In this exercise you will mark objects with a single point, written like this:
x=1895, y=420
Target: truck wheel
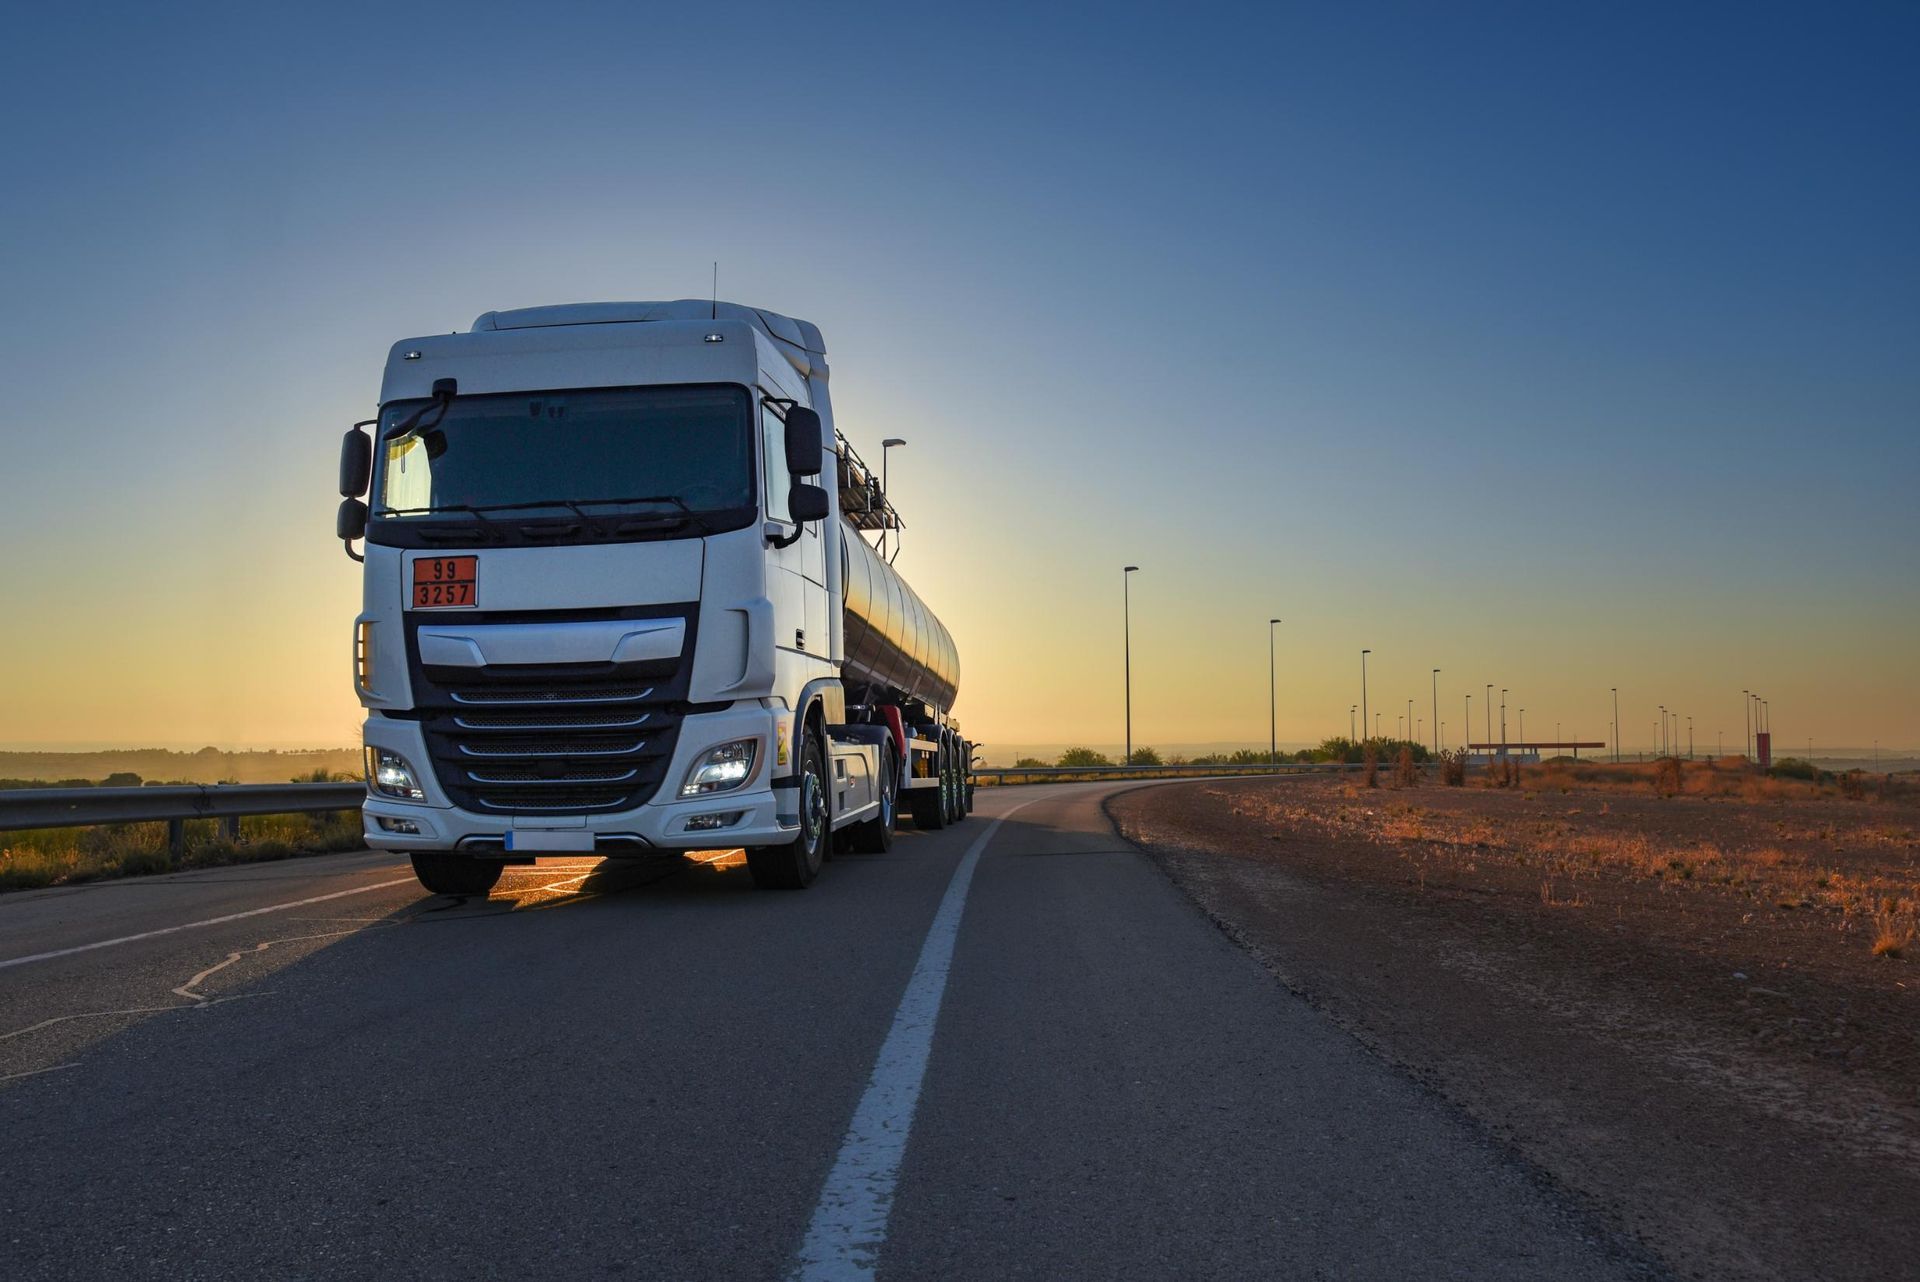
x=448, y=874
x=875, y=836
x=956, y=801
x=795, y=864
x=930, y=804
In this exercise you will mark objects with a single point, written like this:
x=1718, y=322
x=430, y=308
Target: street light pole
x=1352, y=708
x=886, y=448
x=1489, y=718
x=1689, y=737
x=1126, y=629
x=1467, y=733
x=1273, y=696
x=1616, y=725
x=1660, y=739
x=1503, y=721
x=1363, y=686
x=1436, y=710
x=1747, y=702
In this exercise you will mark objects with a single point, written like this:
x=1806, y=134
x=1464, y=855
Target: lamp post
x=1466, y=745
x=1126, y=632
x=1436, y=710
x=1352, y=708
x=1689, y=737
x=1503, y=721
x=1363, y=687
x=886, y=448
x=1489, y=717
x=1747, y=702
x=1660, y=740
x=1616, y=725
x=1523, y=728
x=1410, y=716
x=1273, y=696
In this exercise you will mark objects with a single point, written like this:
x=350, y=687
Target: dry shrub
x=1502, y=772
x=1453, y=769
x=1405, y=774
x=1853, y=785
x=1893, y=931
x=1667, y=777
x=1370, y=767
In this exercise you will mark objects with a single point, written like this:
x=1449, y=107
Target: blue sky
x=1556, y=347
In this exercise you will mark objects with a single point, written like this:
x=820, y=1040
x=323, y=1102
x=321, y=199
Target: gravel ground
x=1670, y=1006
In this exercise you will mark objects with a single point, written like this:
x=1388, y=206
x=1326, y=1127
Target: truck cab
x=604, y=601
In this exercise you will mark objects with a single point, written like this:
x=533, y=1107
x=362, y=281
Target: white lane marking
x=201, y=925
x=849, y=1223
x=35, y=1072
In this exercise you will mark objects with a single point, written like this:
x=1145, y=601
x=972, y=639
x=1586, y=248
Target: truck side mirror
x=804, y=443
x=356, y=463
x=808, y=503
x=350, y=522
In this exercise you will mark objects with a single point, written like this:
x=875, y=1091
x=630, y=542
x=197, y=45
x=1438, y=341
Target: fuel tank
x=896, y=648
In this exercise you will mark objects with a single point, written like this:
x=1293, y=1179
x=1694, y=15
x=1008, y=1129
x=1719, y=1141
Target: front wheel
x=449, y=874
x=795, y=864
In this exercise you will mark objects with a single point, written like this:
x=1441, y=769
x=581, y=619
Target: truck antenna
x=715, y=313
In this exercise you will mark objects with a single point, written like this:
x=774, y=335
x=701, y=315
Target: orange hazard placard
x=445, y=582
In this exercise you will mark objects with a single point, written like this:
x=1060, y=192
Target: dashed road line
x=30, y=958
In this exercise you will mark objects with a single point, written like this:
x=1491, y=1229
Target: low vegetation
x=61, y=856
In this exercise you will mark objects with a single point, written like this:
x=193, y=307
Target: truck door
x=797, y=582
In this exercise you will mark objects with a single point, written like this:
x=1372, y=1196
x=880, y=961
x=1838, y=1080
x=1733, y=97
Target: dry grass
x=59, y=856
x=1861, y=876
x=1453, y=769
x=1370, y=767
x=1893, y=929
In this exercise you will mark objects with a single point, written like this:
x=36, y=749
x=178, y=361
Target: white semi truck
x=619, y=599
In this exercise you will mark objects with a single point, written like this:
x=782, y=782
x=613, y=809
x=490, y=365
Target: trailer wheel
x=795, y=864
x=956, y=805
x=875, y=836
x=441, y=873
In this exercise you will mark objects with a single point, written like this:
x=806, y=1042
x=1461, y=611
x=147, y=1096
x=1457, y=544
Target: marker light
x=363, y=654
x=721, y=769
x=389, y=775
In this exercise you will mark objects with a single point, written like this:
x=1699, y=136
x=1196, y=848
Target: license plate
x=550, y=840
x=445, y=582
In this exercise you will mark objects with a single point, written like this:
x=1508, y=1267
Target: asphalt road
x=993, y=1052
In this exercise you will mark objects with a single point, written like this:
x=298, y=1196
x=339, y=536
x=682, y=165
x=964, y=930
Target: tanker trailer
x=609, y=607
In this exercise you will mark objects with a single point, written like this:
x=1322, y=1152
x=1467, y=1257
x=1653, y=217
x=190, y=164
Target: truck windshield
x=604, y=453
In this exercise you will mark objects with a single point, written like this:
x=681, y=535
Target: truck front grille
x=555, y=739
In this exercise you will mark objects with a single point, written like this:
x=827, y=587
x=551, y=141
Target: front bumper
x=751, y=813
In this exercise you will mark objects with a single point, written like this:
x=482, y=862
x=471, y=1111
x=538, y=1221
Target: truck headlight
x=721, y=769
x=389, y=775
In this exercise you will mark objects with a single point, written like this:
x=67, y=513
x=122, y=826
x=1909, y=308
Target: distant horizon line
x=1782, y=748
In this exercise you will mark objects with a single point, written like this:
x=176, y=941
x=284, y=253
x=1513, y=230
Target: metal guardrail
x=86, y=807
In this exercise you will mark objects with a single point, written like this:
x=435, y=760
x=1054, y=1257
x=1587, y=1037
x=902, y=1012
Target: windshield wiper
x=660, y=520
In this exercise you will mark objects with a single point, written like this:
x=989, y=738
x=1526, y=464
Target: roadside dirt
x=1672, y=1006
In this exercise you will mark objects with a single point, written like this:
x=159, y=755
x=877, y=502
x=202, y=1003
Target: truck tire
x=957, y=785
x=930, y=804
x=442, y=873
x=794, y=865
x=875, y=836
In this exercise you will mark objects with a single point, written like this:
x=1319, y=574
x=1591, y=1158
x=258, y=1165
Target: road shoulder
x=1712, y=1155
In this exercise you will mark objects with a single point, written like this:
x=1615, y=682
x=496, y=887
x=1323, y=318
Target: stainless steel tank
x=894, y=642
